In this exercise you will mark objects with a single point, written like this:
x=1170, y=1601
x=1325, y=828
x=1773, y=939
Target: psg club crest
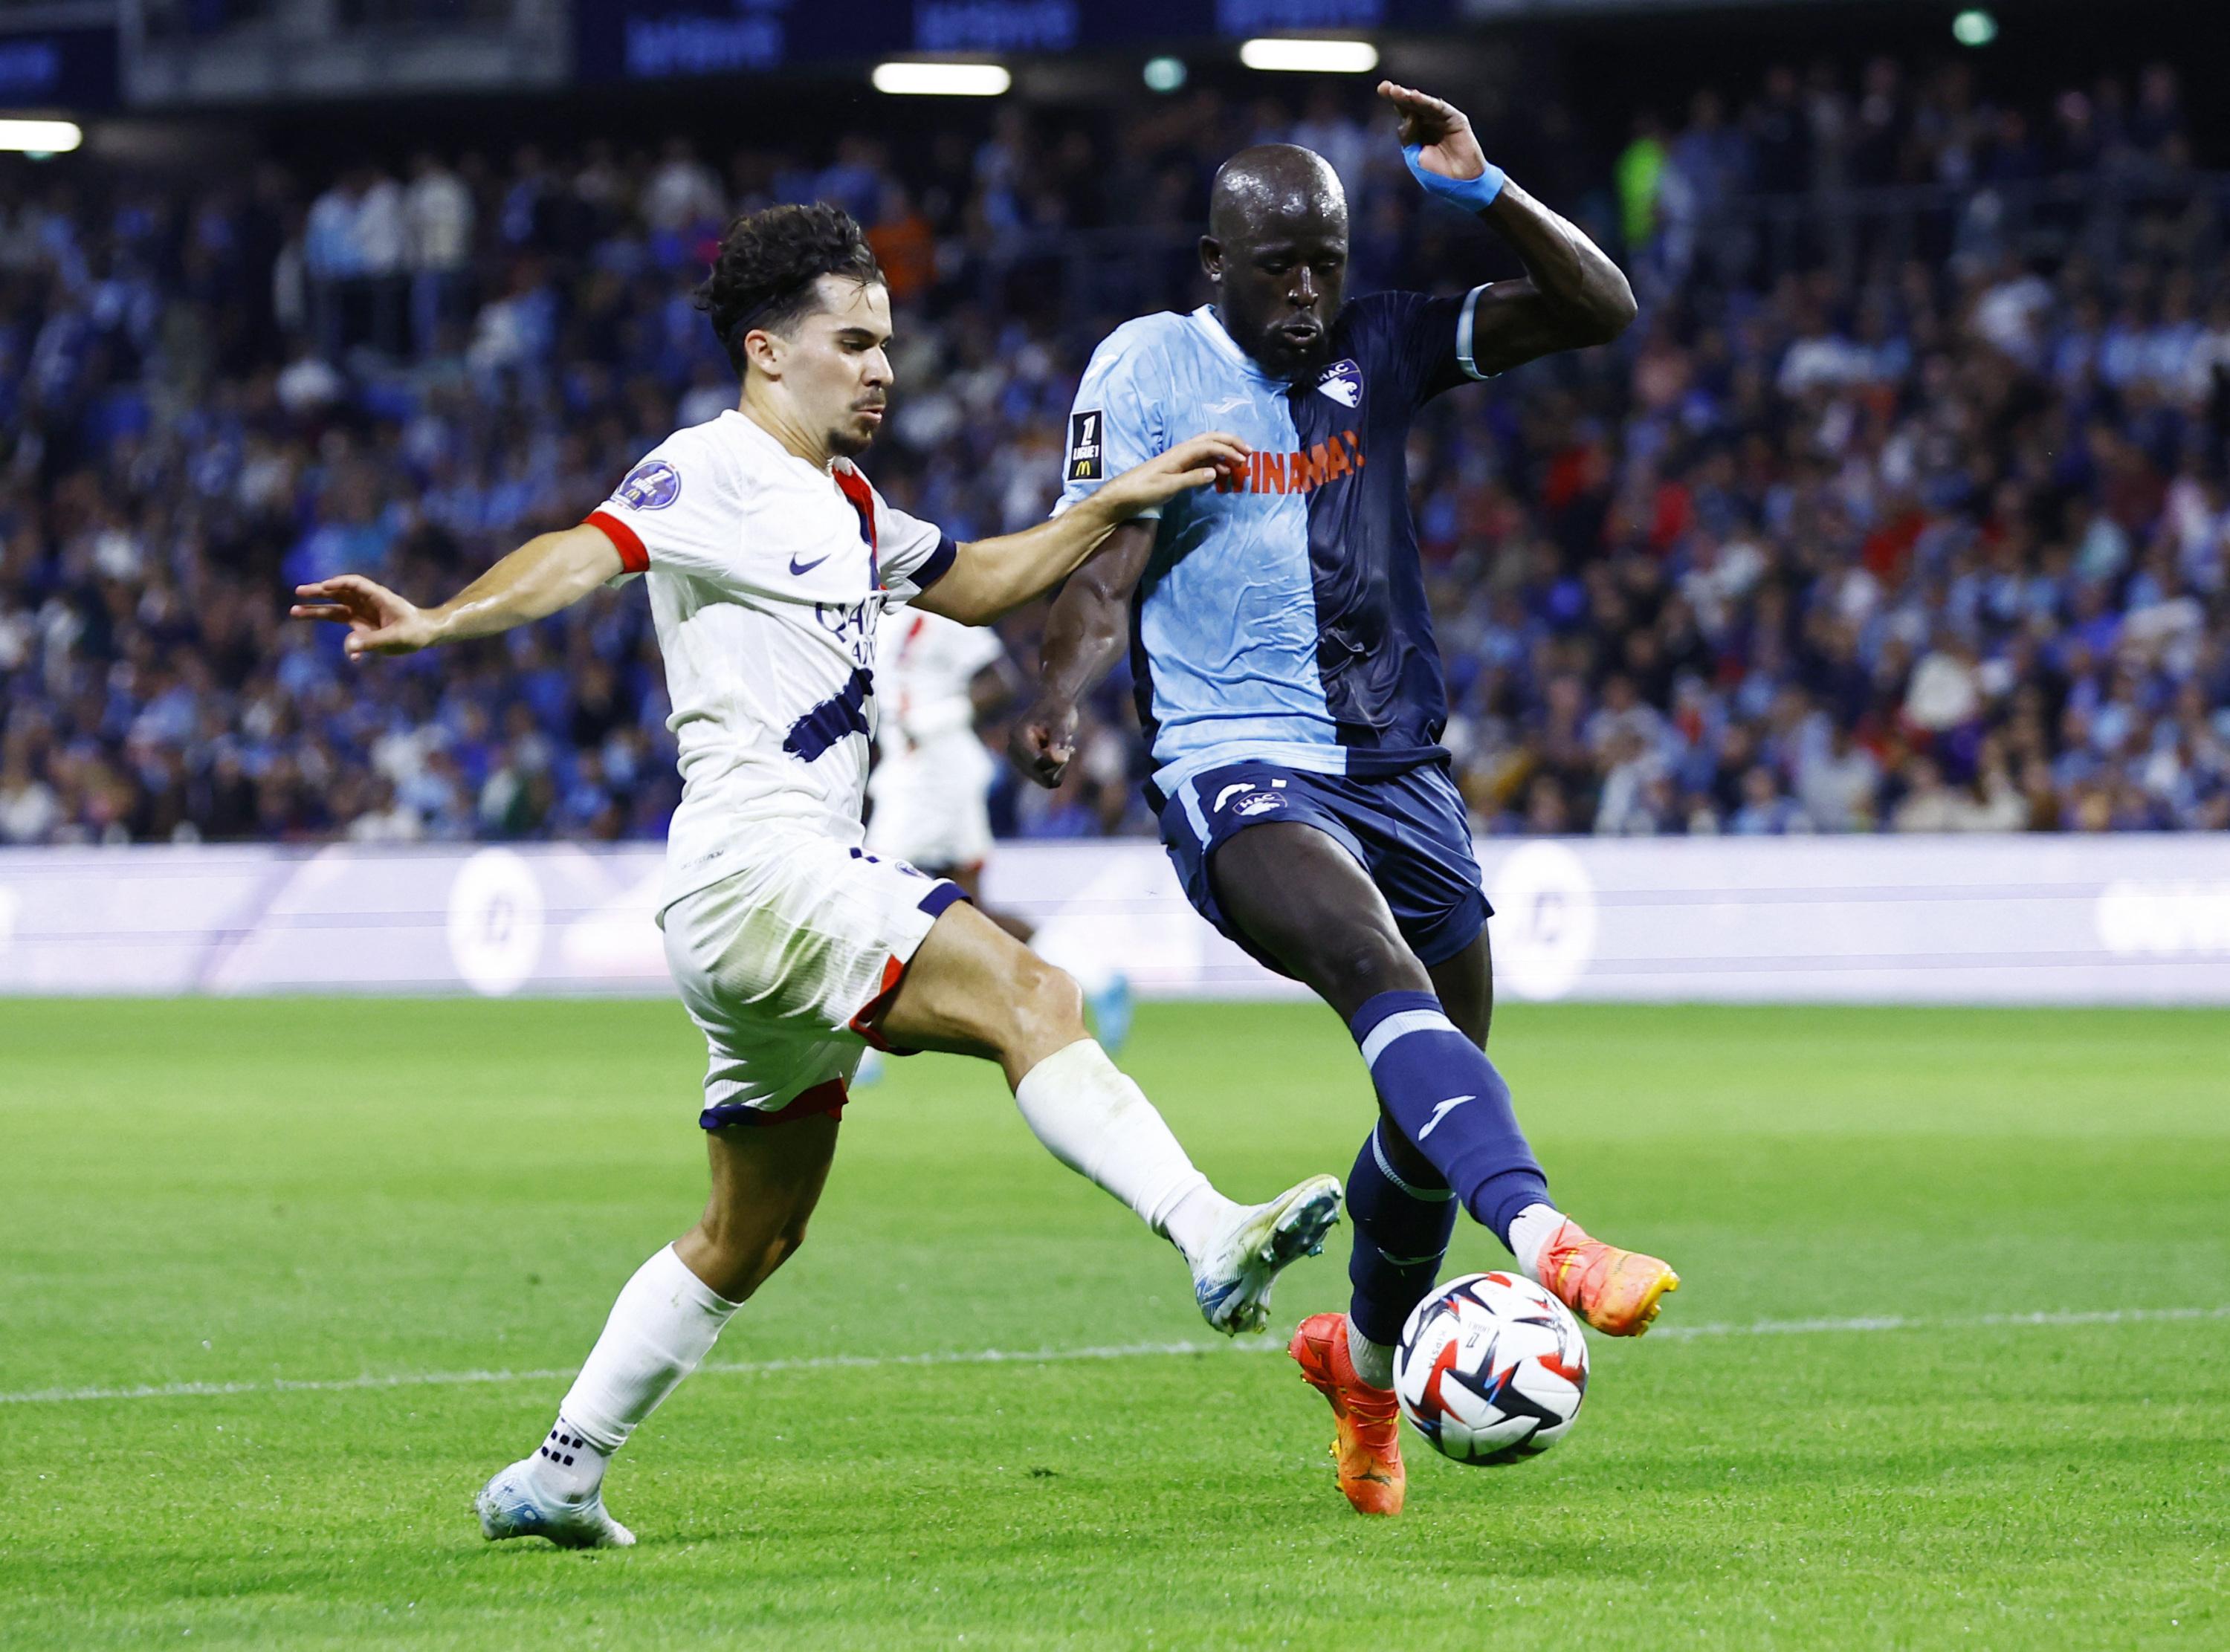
x=651, y=485
x=1343, y=382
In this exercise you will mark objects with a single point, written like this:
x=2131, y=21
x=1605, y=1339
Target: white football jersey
x=767, y=578
x=925, y=665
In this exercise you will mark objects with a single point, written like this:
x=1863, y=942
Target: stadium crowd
x=1897, y=511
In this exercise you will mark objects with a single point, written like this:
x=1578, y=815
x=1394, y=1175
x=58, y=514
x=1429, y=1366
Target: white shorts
x=929, y=803
x=785, y=964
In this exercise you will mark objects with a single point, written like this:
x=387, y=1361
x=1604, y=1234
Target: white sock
x=663, y=1325
x=1373, y=1361
x=566, y=1466
x=1100, y=1125
x=1533, y=1228
x=1197, y=1217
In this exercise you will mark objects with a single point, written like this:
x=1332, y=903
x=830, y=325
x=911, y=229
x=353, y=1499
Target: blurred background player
x=1294, y=695
x=769, y=560
x=934, y=679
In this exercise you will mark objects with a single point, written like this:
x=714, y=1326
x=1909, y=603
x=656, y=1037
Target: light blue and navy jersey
x=1283, y=617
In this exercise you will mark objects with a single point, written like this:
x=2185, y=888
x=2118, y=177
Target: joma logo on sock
x=1442, y=1111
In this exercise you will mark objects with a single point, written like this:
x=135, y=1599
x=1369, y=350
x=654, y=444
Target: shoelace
x=1375, y=1421
x=1563, y=1259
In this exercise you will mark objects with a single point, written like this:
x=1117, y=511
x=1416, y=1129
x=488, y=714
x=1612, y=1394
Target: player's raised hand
x=1442, y=132
x=1185, y=466
x=1043, y=740
x=379, y=622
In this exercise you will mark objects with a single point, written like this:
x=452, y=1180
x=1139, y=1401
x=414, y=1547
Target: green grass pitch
x=236, y=1196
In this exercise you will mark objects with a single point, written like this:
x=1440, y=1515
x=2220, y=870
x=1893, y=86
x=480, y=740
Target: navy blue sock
x=1401, y=1231
x=1449, y=1101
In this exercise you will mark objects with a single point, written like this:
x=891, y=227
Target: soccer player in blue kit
x=1289, y=684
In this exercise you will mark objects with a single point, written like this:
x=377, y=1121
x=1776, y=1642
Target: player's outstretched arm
x=990, y=577
x=1571, y=295
x=550, y=572
x=1085, y=634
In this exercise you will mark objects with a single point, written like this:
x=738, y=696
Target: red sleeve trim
x=633, y=556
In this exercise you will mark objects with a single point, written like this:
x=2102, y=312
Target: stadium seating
x=1903, y=507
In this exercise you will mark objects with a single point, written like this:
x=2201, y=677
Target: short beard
x=1291, y=364
x=845, y=445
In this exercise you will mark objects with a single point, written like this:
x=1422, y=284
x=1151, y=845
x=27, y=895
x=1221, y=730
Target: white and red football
x=1492, y=1368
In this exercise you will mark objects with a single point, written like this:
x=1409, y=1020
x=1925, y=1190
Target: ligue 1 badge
x=1343, y=382
x=651, y=485
x=1086, y=443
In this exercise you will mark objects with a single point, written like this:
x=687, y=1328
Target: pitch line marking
x=1060, y=1356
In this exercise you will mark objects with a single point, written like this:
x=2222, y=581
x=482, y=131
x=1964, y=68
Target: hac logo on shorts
x=651, y=485
x=1253, y=798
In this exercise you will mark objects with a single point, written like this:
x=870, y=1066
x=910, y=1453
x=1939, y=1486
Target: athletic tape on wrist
x=1473, y=194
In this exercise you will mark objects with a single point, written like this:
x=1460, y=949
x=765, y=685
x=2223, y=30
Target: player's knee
x=1357, y=968
x=786, y=1244
x=1048, y=1006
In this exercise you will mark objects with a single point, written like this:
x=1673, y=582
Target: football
x=1490, y=1368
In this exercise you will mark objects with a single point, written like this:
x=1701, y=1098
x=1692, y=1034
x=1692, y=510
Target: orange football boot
x=1367, y=1446
x=1616, y=1291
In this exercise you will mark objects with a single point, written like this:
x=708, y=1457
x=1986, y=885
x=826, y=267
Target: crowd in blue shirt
x=1914, y=522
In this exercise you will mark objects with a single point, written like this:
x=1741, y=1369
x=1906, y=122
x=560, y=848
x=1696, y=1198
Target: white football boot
x=1231, y=1282
x=509, y=1506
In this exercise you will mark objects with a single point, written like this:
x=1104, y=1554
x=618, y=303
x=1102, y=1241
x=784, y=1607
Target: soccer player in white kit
x=769, y=560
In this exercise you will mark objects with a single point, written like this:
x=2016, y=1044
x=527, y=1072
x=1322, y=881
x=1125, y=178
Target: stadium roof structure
x=89, y=56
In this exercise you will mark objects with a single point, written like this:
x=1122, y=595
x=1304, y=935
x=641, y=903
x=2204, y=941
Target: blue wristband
x=1471, y=194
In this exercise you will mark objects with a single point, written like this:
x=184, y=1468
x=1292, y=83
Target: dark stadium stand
x=1903, y=507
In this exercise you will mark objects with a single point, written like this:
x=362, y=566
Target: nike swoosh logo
x=796, y=567
x=1228, y=404
x=1442, y=1111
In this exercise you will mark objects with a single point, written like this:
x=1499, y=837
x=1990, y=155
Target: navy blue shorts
x=1409, y=831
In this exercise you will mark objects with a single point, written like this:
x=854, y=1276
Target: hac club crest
x=1343, y=382
x=651, y=485
x=1252, y=797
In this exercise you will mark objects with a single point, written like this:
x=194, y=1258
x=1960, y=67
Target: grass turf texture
x=220, y=1192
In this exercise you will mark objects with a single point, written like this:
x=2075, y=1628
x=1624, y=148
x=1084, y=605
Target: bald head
x=1274, y=186
x=1276, y=249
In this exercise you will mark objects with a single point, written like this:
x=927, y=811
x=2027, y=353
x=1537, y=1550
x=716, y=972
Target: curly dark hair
x=762, y=275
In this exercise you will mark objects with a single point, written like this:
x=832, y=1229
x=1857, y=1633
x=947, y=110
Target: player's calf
x=736, y=1249
x=974, y=989
x=1327, y=923
x=1402, y=1225
x=1314, y=909
x=766, y=1180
